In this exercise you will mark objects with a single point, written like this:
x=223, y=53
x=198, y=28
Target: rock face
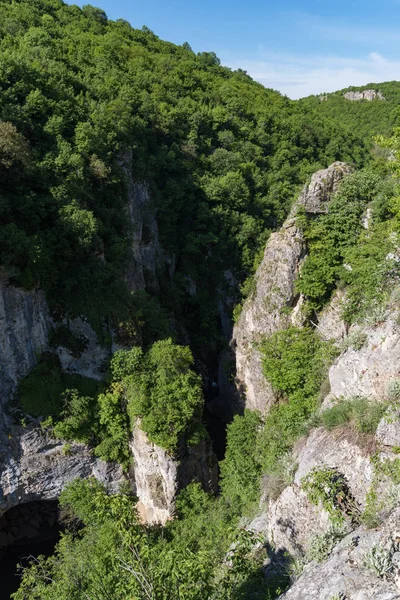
x=38, y=467
x=159, y=476
x=32, y=465
x=292, y=519
x=266, y=310
x=324, y=448
x=147, y=259
x=364, y=95
x=92, y=361
x=24, y=328
x=344, y=574
x=369, y=370
x=388, y=431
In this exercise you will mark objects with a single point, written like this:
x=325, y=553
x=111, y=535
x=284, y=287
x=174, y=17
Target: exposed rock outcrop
x=92, y=361
x=159, y=475
x=24, y=328
x=364, y=95
x=266, y=310
x=148, y=262
x=292, y=519
x=38, y=467
x=32, y=465
x=369, y=370
x=344, y=575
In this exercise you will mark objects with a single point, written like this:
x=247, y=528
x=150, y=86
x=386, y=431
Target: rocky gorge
x=35, y=467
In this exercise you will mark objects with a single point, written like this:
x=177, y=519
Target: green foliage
x=363, y=414
x=327, y=487
x=388, y=467
x=295, y=361
x=111, y=555
x=78, y=418
x=355, y=340
x=367, y=117
x=241, y=468
x=87, y=102
x=331, y=235
x=162, y=390
x=374, y=503
x=114, y=425
x=371, y=274
x=322, y=545
x=379, y=560
x=393, y=390
x=40, y=393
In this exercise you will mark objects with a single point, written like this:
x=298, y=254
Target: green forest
x=223, y=158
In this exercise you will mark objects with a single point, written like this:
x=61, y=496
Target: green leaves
x=161, y=389
x=241, y=468
x=330, y=236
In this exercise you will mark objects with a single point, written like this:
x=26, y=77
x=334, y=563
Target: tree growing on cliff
x=162, y=390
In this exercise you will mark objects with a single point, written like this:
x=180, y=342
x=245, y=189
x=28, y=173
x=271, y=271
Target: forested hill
x=367, y=118
x=223, y=157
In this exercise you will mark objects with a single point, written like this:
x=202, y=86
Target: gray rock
x=36, y=468
x=93, y=360
x=266, y=310
x=324, y=448
x=24, y=327
x=330, y=323
x=293, y=521
x=147, y=259
x=388, y=431
x=344, y=572
x=364, y=95
x=367, y=371
x=159, y=475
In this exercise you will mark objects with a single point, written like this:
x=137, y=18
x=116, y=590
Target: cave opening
x=27, y=530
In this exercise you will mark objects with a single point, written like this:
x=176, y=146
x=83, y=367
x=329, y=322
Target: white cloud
x=298, y=76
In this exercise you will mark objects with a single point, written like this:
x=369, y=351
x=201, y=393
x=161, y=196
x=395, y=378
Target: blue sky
x=299, y=48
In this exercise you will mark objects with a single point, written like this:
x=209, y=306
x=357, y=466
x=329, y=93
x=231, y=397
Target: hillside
x=367, y=118
x=81, y=97
x=199, y=283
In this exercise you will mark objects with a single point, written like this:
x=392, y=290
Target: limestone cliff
x=291, y=522
x=266, y=310
x=32, y=465
x=159, y=476
x=364, y=95
x=35, y=467
x=147, y=260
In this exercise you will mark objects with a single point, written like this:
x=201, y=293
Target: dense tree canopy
x=223, y=157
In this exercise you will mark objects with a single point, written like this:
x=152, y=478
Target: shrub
x=330, y=235
x=163, y=390
x=295, y=361
x=355, y=340
x=379, y=560
x=361, y=413
x=241, y=468
x=326, y=486
x=393, y=389
x=322, y=545
x=78, y=418
x=40, y=393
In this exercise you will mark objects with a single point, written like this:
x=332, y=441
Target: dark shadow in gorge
x=26, y=530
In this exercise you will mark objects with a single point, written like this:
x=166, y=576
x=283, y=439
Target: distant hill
x=366, y=117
